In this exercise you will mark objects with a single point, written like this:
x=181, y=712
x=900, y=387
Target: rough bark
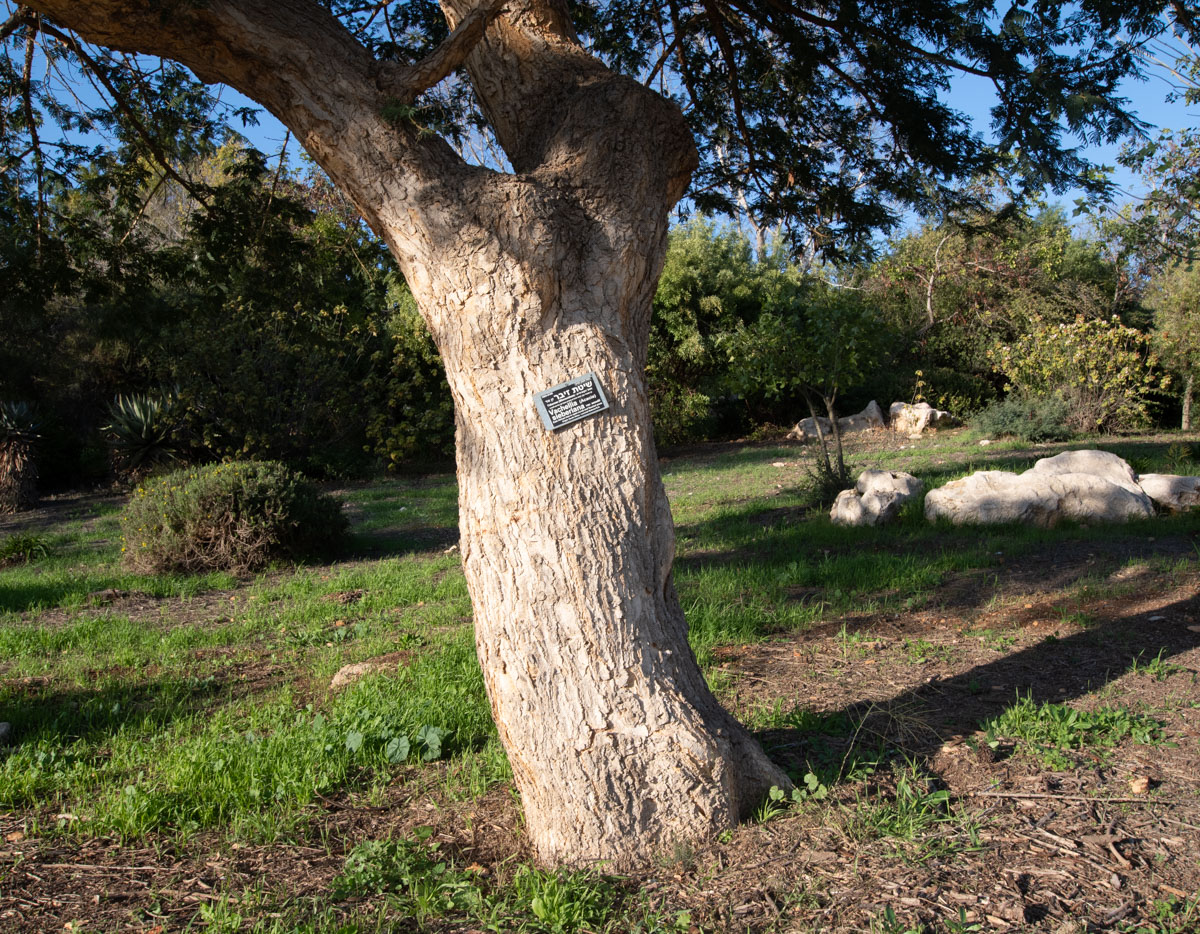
x=617, y=745
x=1188, y=392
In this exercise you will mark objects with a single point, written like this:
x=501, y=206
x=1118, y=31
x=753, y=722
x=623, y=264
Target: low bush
x=237, y=516
x=1027, y=418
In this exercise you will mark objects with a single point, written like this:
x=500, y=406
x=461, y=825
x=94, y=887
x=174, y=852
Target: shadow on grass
x=62, y=716
x=914, y=723
x=400, y=543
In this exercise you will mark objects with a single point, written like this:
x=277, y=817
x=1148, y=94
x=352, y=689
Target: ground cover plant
x=990, y=730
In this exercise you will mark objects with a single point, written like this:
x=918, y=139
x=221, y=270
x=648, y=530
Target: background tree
x=712, y=285
x=530, y=277
x=1174, y=297
x=955, y=290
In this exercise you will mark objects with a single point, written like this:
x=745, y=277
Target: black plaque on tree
x=571, y=401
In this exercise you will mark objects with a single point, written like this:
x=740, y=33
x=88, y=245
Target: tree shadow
x=915, y=722
x=58, y=717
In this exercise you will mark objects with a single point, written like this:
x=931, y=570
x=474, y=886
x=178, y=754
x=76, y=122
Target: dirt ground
x=1110, y=844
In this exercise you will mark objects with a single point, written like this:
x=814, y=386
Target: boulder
x=5, y=733
x=1094, y=463
x=1170, y=491
x=875, y=499
x=806, y=429
x=1035, y=498
x=914, y=420
x=869, y=419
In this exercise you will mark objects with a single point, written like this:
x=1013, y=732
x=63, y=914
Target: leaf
x=354, y=741
x=397, y=749
x=431, y=737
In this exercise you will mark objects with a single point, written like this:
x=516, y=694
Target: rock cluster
x=876, y=498
x=902, y=418
x=1083, y=486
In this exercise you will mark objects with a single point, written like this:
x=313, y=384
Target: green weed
x=1052, y=731
x=425, y=884
x=1157, y=668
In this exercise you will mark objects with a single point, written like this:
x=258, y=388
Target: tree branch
x=14, y=22
x=30, y=118
x=95, y=69
x=410, y=81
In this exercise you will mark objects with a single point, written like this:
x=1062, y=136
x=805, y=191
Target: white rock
x=806, y=429
x=869, y=419
x=348, y=674
x=1095, y=463
x=902, y=484
x=1034, y=498
x=875, y=499
x=1171, y=491
x=914, y=420
x=985, y=442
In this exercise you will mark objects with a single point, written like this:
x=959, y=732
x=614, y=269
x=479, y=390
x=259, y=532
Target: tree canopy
x=828, y=119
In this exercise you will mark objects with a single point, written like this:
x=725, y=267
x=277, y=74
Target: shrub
x=235, y=516
x=1102, y=370
x=1026, y=418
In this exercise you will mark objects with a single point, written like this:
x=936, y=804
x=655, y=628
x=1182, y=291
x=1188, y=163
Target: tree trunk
x=1188, y=389
x=618, y=747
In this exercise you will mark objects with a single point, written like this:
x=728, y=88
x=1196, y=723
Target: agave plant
x=142, y=430
x=18, y=448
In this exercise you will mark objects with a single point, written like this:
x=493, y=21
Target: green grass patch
x=1052, y=732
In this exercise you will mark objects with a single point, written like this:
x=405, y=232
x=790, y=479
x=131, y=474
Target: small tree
x=1175, y=299
x=825, y=342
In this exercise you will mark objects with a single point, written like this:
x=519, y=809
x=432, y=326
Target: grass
x=193, y=705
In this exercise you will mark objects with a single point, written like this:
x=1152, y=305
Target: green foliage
x=711, y=285
x=1103, y=370
x=237, y=516
x=411, y=411
x=141, y=431
x=1174, y=298
x=738, y=339
x=1052, y=731
x=23, y=547
x=1026, y=418
x=953, y=290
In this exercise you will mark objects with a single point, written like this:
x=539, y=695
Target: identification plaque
x=571, y=401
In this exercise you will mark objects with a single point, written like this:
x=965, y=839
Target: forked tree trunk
x=618, y=747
